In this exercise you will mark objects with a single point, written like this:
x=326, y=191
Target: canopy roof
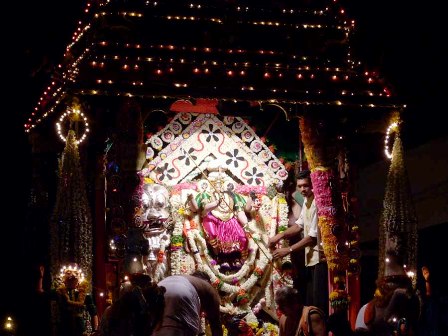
x=292, y=53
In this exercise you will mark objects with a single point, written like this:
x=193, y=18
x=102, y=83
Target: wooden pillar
x=100, y=241
x=353, y=274
x=354, y=291
x=131, y=157
x=334, y=234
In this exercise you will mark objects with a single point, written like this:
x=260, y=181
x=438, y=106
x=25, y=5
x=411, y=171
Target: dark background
x=404, y=41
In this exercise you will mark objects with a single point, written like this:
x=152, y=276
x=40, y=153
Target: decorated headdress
x=217, y=178
x=71, y=270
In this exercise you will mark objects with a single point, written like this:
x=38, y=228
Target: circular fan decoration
x=73, y=118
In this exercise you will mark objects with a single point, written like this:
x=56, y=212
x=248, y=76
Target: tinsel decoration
x=398, y=223
x=71, y=222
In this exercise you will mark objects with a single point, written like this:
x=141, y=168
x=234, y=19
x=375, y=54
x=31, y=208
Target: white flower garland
x=176, y=253
x=273, y=213
x=160, y=271
x=194, y=237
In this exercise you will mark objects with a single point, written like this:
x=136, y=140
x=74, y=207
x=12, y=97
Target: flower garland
x=268, y=293
x=161, y=267
x=230, y=284
x=334, y=246
x=240, y=286
x=247, y=285
x=339, y=298
x=323, y=179
x=194, y=236
x=176, y=238
x=334, y=233
x=265, y=329
x=279, y=216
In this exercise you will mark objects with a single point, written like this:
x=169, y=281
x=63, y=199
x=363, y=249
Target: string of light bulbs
x=393, y=127
x=76, y=115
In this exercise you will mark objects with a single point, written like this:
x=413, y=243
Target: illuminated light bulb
x=66, y=114
x=392, y=127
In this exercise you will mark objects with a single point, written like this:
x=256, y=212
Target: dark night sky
x=400, y=39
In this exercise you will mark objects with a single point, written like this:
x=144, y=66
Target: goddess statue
x=223, y=214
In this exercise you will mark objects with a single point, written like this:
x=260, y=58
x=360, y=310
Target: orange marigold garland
x=330, y=219
x=339, y=298
x=242, y=297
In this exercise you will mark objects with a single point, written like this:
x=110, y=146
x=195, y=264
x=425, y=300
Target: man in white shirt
x=186, y=297
x=316, y=265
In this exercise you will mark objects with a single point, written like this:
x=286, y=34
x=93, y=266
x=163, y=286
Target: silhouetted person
x=35, y=308
x=137, y=311
x=434, y=316
x=296, y=318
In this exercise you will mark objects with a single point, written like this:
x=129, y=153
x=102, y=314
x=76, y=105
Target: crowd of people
x=176, y=305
